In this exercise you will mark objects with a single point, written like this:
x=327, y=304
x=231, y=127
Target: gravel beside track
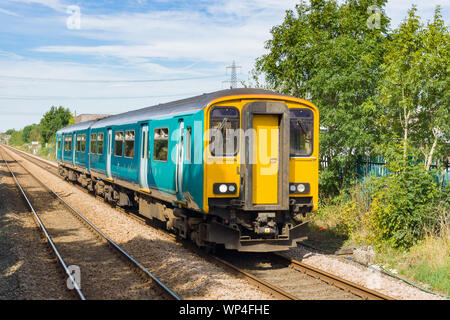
x=103, y=274
x=277, y=271
x=28, y=269
x=186, y=273
x=361, y=275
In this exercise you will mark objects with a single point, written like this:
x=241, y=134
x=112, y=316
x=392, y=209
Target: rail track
x=299, y=280
x=277, y=274
x=107, y=271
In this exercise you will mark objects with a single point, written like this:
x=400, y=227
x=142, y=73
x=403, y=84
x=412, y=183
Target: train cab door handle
x=273, y=160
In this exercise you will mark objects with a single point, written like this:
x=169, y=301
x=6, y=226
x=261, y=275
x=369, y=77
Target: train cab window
x=118, y=144
x=301, y=136
x=161, y=144
x=68, y=143
x=129, y=144
x=224, y=134
x=93, y=143
x=100, y=143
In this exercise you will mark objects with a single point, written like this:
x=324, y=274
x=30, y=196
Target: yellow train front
x=260, y=171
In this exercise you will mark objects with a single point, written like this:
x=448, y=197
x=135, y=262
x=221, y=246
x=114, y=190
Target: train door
x=143, y=170
x=59, y=148
x=266, y=153
x=63, y=146
x=108, y=154
x=74, y=147
x=179, y=161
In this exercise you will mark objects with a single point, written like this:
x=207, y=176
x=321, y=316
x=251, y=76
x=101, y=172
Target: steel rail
x=115, y=246
x=339, y=282
x=44, y=231
x=260, y=283
x=47, y=162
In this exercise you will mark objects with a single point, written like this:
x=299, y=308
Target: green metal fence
x=376, y=166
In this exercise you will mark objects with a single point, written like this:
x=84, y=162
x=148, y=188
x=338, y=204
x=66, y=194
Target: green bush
x=16, y=138
x=403, y=207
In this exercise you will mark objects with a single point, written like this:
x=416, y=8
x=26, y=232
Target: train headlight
x=224, y=188
x=299, y=188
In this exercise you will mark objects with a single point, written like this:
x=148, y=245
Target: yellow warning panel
x=266, y=153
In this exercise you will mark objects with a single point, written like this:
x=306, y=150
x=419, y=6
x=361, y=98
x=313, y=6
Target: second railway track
x=106, y=270
x=282, y=277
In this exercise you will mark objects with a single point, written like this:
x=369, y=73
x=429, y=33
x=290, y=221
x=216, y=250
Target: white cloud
x=9, y=12
x=23, y=100
x=398, y=10
x=216, y=37
x=53, y=4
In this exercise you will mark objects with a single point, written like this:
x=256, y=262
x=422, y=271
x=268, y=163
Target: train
x=236, y=168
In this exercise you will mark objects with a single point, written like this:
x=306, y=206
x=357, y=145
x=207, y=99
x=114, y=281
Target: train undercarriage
x=227, y=224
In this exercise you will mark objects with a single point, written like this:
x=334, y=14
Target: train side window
x=68, y=143
x=59, y=143
x=161, y=144
x=118, y=144
x=100, y=143
x=93, y=143
x=301, y=132
x=78, y=146
x=224, y=133
x=144, y=144
x=83, y=143
x=129, y=144
x=188, y=144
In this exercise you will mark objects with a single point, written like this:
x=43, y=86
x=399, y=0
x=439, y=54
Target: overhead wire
x=107, y=80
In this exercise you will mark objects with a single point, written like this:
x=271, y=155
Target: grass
x=340, y=223
x=46, y=153
x=427, y=263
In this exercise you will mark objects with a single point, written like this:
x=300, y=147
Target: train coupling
x=265, y=224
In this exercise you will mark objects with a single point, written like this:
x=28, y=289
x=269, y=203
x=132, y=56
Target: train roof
x=76, y=127
x=188, y=105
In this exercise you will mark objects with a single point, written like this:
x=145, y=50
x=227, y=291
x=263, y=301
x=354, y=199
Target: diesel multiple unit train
x=237, y=167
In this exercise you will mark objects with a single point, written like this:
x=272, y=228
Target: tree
x=400, y=88
x=413, y=95
x=326, y=53
x=16, y=138
x=31, y=133
x=55, y=119
x=434, y=120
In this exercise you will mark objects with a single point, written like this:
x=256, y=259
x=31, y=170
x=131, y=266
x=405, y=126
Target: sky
x=112, y=56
